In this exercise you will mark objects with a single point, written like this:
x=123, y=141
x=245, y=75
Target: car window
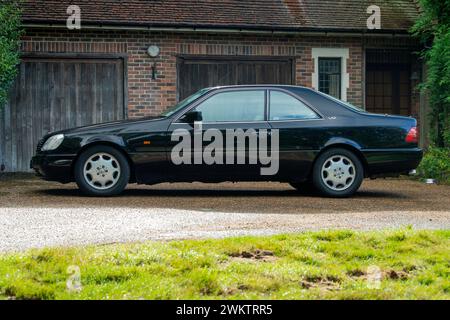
x=344, y=103
x=246, y=105
x=285, y=107
x=184, y=103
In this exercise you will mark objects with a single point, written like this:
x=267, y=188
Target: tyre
x=102, y=171
x=337, y=173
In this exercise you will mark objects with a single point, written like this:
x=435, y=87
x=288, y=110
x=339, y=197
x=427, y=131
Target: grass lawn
x=398, y=264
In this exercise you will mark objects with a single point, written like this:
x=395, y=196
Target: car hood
x=108, y=126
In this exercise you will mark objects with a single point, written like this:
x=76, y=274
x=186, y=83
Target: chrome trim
x=296, y=120
x=224, y=122
x=418, y=150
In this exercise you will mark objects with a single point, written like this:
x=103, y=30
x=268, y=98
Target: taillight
x=412, y=136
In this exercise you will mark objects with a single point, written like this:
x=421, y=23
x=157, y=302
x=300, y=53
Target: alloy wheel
x=338, y=173
x=101, y=171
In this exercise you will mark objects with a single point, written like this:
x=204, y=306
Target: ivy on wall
x=10, y=33
x=433, y=27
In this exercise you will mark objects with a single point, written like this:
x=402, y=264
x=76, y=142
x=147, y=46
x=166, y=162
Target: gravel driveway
x=34, y=213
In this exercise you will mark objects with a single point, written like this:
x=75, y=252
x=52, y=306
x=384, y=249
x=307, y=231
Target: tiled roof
x=252, y=14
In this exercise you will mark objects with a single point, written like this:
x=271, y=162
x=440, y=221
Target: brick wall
x=148, y=97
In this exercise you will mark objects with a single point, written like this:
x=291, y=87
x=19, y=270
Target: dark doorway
x=195, y=73
x=388, y=82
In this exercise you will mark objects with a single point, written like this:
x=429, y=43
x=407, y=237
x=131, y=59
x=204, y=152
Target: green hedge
x=436, y=165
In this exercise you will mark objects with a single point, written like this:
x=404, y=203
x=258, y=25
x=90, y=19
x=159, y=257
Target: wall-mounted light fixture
x=153, y=51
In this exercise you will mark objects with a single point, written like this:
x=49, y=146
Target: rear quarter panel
x=380, y=138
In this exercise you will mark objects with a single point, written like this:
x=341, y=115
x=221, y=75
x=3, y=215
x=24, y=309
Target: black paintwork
x=379, y=141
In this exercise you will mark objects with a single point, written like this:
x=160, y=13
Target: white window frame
x=344, y=54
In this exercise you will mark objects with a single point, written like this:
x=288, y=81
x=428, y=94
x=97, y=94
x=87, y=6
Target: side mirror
x=192, y=116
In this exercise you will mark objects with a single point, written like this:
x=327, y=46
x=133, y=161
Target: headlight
x=53, y=142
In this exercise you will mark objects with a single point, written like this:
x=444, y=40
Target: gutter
x=326, y=32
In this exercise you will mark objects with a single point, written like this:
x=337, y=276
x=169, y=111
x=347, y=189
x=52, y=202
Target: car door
x=217, y=154
x=297, y=126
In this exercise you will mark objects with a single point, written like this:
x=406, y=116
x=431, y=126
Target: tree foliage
x=10, y=33
x=433, y=27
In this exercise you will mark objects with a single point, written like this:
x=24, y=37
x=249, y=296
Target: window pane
x=183, y=103
x=285, y=107
x=330, y=76
x=245, y=105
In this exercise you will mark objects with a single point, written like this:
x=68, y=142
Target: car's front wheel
x=102, y=171
x=338, y=173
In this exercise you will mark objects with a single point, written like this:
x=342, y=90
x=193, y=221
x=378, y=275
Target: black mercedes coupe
x=236, y=133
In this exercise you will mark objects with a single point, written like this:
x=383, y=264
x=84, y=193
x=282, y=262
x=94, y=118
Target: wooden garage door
x=197, y=73
x=54, y=94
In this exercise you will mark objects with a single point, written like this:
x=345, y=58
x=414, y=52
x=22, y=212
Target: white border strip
x=344, y=54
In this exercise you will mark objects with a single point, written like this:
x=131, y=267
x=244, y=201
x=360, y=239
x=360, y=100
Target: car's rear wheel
x=338, y=173
x=102, y=171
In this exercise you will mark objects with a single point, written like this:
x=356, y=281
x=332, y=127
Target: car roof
x=322, y=103
x=259, y=86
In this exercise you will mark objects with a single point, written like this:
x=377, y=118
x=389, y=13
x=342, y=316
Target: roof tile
x=260, y=14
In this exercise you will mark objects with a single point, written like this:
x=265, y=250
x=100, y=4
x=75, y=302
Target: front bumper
x=53, y=167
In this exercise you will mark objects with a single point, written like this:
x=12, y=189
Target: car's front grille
x=40, y=144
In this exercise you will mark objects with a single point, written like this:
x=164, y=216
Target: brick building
x=104, y=71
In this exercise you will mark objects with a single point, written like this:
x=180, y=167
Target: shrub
x=436, y=165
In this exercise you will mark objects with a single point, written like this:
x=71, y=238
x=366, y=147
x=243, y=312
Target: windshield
x=344, y=103
x=183, y=103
